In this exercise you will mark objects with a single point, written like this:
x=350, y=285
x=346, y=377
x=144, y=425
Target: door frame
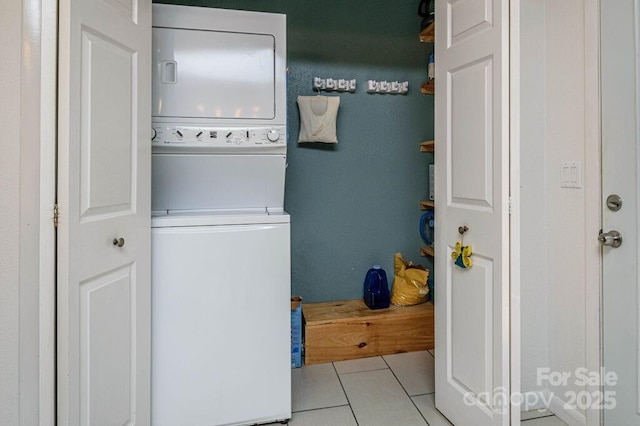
x=593, y=199
x=592, y=208
x=38, y=140
x=514, y=207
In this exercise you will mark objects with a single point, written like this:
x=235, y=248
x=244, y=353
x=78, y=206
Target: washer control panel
x=166, y=135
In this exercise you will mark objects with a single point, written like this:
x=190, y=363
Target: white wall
x=533, y=193
x=554, y=282
x=10, y=34
x=565, y=141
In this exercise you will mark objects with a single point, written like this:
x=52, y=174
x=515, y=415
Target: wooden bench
x=336, y=331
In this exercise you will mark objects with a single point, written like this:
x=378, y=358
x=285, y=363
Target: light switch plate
x=571, y=174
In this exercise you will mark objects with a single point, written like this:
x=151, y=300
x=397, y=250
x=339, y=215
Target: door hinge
x=56, y=215
x=509, y=205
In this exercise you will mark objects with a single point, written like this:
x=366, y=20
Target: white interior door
x=103, y=301
x=619, y=85
x=472, y=190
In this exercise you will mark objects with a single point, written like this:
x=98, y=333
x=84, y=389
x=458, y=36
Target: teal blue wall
x=355, y=203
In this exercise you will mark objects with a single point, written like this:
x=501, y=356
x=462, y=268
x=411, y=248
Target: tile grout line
x=363, y=371
x=319, y=408
x=537, y=418
x=423, y=394
x=396, y=377
x=405, y=391
x=345, y=394
x=419, y=411
x=433, y=355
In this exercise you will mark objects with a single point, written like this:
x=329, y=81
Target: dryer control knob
x=154, y=134
x=273, y=135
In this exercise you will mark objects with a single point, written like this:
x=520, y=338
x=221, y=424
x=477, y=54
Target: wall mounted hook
x=392, y=87
x=334, y=85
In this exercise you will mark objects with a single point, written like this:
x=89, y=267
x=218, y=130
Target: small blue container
x=376, y=288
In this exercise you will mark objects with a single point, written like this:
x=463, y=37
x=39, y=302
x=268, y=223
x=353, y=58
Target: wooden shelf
x=427, y=205
x=427, y=251
x=428, y=87
x=428, y=146
x=348, y=329
x=428, y=35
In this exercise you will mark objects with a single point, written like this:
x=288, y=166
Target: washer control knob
x=179, y=134
x=154, y=134
x=273, y=135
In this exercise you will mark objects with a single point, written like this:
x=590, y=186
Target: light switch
x=571, y=174
x=576, y=174
x=565, y=175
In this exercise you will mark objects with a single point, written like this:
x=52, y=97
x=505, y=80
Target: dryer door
x=213, y=74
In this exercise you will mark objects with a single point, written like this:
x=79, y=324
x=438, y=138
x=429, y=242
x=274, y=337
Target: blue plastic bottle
x=376, y=288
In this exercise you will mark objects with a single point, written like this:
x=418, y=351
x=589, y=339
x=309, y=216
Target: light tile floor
x=380, y=391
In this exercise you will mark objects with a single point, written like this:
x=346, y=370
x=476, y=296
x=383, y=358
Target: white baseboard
x=536, y=400
x=570, y=416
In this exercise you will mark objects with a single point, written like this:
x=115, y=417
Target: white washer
x=221, y=319
x=221, y=288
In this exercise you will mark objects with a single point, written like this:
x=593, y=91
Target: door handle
x=118, y=242
x=169, y=72
x=610, y=239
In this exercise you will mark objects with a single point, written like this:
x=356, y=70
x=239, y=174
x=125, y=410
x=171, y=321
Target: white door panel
x=469, y=17
x=107, y=341
x=104, y=193
x=107, y=127
x=619, y=88
x=471, y=324
x=472, y=166
x=469, y=98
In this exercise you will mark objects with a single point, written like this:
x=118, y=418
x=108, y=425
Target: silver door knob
x=118, y=242
x=610, y=239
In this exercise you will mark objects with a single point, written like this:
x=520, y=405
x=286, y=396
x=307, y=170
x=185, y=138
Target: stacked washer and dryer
x=220, y=235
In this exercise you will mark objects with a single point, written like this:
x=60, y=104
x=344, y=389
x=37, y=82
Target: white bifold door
x=472, y=191
x=104, y=160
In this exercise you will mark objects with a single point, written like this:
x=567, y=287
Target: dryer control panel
x=202, y=137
